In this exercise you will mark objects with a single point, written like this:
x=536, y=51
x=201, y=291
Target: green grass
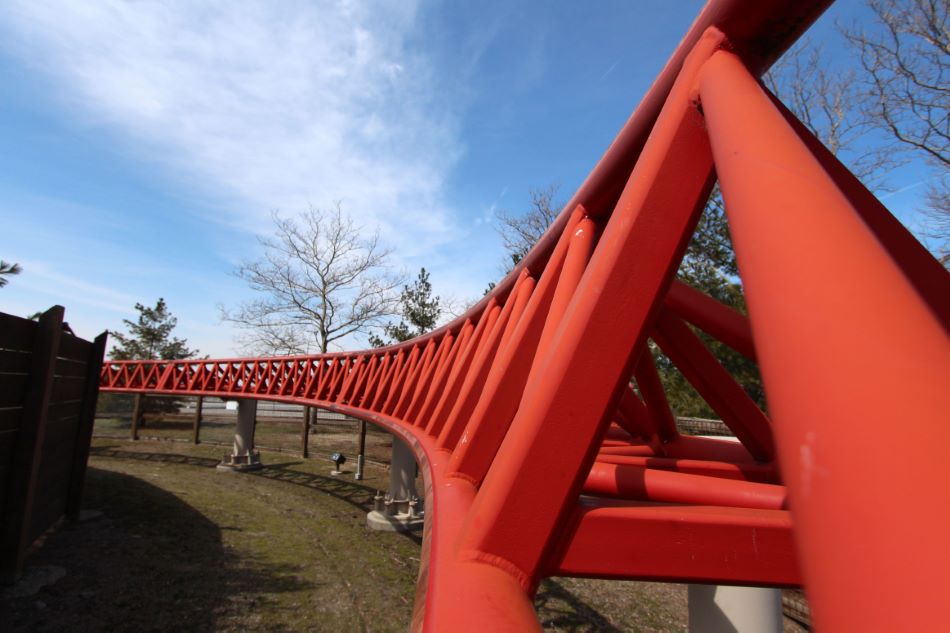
x=183, y=546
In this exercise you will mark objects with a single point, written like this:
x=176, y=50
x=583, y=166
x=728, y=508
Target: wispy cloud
x=489, y=214
x=609, y=70
x=46, y=281
x=260, y=105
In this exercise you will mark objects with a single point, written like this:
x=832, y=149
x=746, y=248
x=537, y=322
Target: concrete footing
x=400, y=510
x=727, y=609
x=243, y=456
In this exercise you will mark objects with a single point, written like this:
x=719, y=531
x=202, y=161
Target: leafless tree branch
x=322, y=280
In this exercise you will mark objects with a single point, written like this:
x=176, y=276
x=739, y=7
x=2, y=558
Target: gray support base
x=243, y=456
x=385, y=523
x=241, y=463
x=400, y=510
x=728, y=609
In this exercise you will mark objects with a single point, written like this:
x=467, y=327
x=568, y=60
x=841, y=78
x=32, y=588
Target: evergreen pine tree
x=420, y=313
x=149, y=338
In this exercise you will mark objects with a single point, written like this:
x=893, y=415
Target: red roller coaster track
x=539, y=457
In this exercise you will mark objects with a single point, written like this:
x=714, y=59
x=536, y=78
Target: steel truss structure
x=540, y=458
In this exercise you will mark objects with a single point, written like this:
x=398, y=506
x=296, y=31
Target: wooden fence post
x=87, y=418
x=197, y=424
x=29, y=444
x=305, y=433
x=137, y=412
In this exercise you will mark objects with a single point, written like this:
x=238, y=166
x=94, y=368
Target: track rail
x=541, y=458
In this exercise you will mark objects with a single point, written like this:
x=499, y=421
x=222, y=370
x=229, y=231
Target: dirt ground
x=179, y=545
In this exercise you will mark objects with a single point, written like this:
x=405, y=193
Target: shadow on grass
x=151, y=562
x=560, y=610
x=355, y=494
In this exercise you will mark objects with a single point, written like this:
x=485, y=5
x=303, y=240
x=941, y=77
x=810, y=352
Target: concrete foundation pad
x=239, y=468
x=399, y=523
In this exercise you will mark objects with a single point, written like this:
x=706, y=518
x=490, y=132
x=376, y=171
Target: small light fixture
x=338, y=459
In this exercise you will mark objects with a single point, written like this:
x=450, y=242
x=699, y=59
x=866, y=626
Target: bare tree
x=907, y=80
x=520, y=232
x=826, y=102
x=322, y=280
x=905, y=90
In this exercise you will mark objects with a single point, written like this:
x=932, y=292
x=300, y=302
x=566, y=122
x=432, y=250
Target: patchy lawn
x=183, y=546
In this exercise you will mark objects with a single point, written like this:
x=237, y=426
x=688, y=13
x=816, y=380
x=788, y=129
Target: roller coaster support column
x=722, y=609
x=361, y=453
x=400, y=510
x=244, y=457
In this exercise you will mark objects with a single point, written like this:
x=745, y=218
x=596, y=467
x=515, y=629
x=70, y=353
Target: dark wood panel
x=74, y=348
x=10, y=418
x=16, y=333
x=47, y=511
x=67, y=389
x=53, y=474
x=48, y=385
x=7, y=442
x=13, y=389
x=60, y=437
x=15, y=362
x=69, y=367
x=52, y=486
x=87, y=418
x=62, y=410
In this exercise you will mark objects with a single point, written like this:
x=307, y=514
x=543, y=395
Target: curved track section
x=542, y=456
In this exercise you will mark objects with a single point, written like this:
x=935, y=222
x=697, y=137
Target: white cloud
x=44, y=281
x=260, y=105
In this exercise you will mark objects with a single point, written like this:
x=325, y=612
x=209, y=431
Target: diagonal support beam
x=541, y=466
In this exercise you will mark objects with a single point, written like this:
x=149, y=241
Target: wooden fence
x=49, y=381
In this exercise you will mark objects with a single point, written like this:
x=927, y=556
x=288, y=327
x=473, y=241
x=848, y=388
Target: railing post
x=305, y=433
x=361, y=453
x=197, y=424
x=29, y=444
x=138, y=411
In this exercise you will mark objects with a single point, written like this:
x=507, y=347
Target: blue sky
x=144, y=144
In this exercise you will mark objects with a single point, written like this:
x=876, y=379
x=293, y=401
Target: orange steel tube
x=636, y=415
x=917, y=263
x=848, y=317
x=746, y=546
x=575, y=263
x=426, y=381
x=718, y=320
x=646, y=484
x=541, y=466
x=720, y=390
x=442, y=375
x=468, y=396
x=395, y=387
x=412, y=381
x=749, y=471
x=460, y=368
x=521, y=299
x=654, y=398
x=850, y=352
x=504, y=386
